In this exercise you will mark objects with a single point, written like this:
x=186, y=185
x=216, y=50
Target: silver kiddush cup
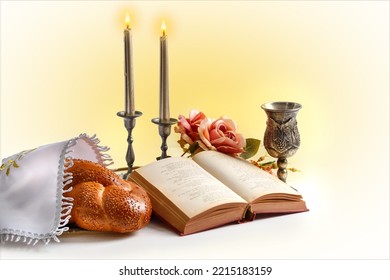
x=281, y=137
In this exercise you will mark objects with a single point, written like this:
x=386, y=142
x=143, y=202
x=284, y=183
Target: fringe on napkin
x=64, y=204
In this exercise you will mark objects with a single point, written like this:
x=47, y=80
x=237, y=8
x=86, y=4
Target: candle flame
x=163, y=27
x=127, y=20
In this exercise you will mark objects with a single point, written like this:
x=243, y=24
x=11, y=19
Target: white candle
x=129, y=73
x=164, y=78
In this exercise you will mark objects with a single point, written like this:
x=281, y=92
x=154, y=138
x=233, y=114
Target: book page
x=247, y=180
x=187, y=185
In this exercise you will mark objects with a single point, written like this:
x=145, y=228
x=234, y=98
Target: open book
x=213, y=189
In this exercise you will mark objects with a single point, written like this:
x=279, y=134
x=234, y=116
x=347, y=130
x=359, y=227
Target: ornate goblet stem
x=129, y=121
x=282, y=169
x=164, y=129
x=281, y=138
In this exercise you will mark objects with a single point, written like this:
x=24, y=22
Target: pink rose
x=188, y=127
x=221, y=135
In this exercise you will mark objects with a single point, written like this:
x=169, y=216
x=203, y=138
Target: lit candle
x=164, y=79
x=129, y=73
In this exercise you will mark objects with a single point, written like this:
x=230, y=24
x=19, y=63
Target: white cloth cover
x=32, y=186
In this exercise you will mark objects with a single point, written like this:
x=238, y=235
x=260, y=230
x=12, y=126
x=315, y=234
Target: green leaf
x=193, y=147
x=251, y=148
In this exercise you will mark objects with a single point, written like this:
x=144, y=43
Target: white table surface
x=348, y=219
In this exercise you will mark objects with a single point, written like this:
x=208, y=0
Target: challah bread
x=88, y=171
x=105, y=202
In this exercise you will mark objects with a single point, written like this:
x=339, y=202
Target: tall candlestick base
x=129, y=120
x=164, y=129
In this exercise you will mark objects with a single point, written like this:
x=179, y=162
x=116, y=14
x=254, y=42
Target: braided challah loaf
x=105, y=202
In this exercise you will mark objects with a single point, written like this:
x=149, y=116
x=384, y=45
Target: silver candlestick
x=164, y=129
x=129, y=120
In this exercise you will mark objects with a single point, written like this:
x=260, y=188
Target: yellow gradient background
x=62, y=75
x=62, y=69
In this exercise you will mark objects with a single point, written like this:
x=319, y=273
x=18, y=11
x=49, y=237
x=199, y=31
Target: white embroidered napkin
x=32, y=186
